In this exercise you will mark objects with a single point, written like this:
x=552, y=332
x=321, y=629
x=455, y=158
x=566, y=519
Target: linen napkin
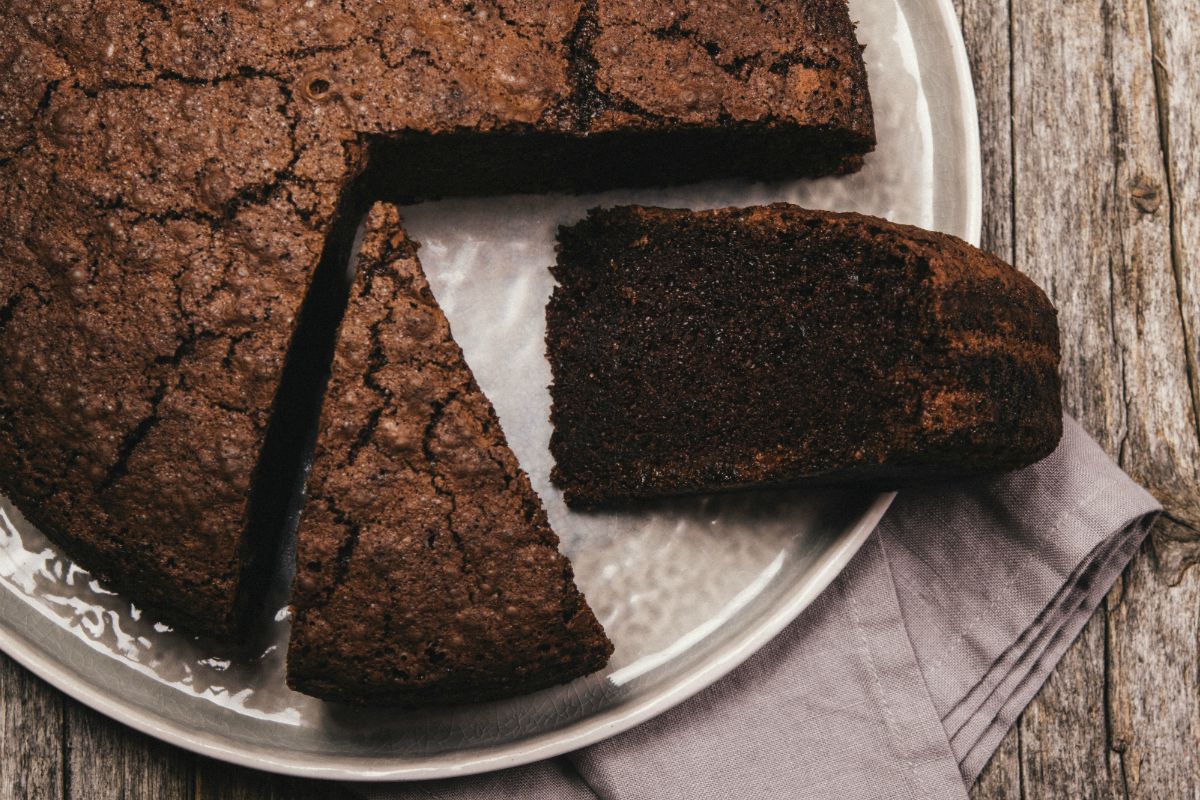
x=903, y=677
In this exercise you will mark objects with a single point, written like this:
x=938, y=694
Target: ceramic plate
x=687, y=592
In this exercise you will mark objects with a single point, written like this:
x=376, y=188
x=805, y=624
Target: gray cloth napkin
x=902, y=678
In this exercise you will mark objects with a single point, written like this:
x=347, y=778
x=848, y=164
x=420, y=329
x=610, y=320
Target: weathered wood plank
x=1175, y=32
x=1083, y=136
x=1153, y=695
x=1001, y=779
x=106, y=760
x=31, y=744
x=1154, y=639
x=1063, y=745
x=218, y=781
x=1092, y=227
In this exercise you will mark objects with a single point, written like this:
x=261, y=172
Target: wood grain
x=1154, y=637
x=1103, y=215
x=31, y=745
x=1084, y=131
x=107, y=761
x=1175, y=33
x=1155, y=643
x=218, y=781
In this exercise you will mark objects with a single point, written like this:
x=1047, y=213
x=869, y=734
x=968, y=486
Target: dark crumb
x=700, y=351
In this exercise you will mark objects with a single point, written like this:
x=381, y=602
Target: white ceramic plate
x=686, y=592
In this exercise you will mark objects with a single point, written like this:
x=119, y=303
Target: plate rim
x=580, y=734
x=598, y=726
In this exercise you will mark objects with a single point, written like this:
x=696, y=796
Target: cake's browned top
x=697, y=351
x=169, y=174
x=426, y=569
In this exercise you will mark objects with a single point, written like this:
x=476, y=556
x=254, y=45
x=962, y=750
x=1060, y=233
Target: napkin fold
x=904, y=675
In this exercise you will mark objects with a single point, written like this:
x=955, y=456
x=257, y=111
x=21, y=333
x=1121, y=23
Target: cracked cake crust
x=172, y=174
x=426, y=569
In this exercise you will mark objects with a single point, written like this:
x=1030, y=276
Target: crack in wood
x=1061, y=150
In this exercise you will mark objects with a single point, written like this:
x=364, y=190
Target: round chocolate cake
x=176, y=176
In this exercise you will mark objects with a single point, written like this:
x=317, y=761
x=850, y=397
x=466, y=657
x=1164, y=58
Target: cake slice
x=427, y=572
x=701, y=351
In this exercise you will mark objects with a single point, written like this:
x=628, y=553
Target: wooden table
x=1090, y=121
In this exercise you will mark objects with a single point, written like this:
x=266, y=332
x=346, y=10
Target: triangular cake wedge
x=427, y=572
x=702, y=351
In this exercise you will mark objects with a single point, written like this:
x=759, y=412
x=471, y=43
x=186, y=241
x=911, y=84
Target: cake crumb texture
x=703, y=351
x=171, y=174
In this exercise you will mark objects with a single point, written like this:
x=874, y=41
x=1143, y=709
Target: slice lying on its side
x=700, y=351
x=426, y=570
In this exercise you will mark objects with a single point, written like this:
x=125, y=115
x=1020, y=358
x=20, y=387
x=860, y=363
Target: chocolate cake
x=426, y=569
x=700, y=351
x=173, y=174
